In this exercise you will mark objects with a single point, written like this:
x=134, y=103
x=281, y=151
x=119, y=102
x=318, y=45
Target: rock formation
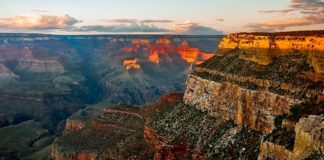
x=308, y=140
x=263, y=49
x=262, y=81
x=256, y=109
x=6, y=75
x=163, y=47
x=40, y=66
x=131, y=64
x=73, y=125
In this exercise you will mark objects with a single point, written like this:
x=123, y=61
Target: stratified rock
x=256, y=109
x=264, y=48
x=41, y=66
x=309, y=139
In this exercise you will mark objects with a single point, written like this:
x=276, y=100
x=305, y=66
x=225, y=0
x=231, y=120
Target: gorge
x=259, y=97
x=44, y=79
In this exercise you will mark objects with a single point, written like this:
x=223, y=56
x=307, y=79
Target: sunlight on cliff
x=131, y=64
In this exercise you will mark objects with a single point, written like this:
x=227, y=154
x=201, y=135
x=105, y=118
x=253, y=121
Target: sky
x=193, y=17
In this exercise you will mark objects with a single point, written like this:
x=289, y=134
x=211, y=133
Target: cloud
x=301, y=6
x=156, y=21
x=121, y=28
x=311, y=13
x=285, y=23
x=193, y=29
x=40, y=11
x=121, y=20
x=308, y=5
x=277, y=11
x=220, y=19
x=38, y=21
x=138, y=20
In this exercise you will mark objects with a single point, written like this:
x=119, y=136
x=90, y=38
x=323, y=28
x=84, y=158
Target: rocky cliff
x=264, y=48
x=253, y=92
x=266, y=82
x=256, y=109
x=308, y=140
x=41, y=66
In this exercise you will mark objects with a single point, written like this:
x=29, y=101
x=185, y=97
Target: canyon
x=44, y=79
x=259, y=97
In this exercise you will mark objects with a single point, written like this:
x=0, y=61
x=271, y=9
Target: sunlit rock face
x=256, y=77
x=131, y=64
x=263, y=49
x=164, y=47
x=154, y=57
x=256, y=109
x=73, y=125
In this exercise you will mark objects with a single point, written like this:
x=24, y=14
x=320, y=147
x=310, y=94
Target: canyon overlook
x=260, y=97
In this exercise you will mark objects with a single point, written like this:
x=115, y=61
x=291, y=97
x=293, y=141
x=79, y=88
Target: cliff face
x=267, y=82
x=41, y=66
x=73, y=125
x=309, y=139
x=263, y=49
x=256, y=109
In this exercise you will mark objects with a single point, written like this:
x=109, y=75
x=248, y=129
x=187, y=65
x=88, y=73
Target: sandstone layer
x=256, y=109
x=263, y=49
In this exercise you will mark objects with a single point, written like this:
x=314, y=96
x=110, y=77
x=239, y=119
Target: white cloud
x=193, y=29
x=38, y=21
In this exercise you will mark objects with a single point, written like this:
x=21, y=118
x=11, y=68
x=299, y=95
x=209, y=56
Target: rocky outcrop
x=73, y=125
x=256, y=109
x=6, y=75
x=131, y=64
x=263, y=48
x=309, y=139
x=41, y=66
